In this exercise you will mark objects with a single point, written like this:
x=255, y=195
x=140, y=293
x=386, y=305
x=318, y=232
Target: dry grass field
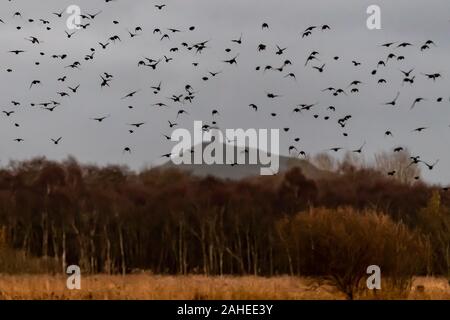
x=148, y=287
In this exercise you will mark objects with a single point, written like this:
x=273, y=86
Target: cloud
x=234, y=89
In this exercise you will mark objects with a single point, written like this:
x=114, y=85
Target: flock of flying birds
x=185, y=97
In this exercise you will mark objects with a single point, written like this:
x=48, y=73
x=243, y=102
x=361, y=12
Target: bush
x=434, y=223
x=14, y=261
x=338, y=245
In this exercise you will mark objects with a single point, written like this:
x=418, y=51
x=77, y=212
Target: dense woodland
x=112, y=220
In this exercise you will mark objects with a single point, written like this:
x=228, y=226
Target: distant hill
x=243, y=171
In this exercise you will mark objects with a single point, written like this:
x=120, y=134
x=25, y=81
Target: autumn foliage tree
x=339, y=245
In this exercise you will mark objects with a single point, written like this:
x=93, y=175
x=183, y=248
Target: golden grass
x=149, y=287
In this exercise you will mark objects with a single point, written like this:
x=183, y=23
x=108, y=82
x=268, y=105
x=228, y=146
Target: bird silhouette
x=430, y=166
x=360, y=149
x=101, y=119
x=393, y=102
x=56, y=141
x=416, y=101
x=130, y=95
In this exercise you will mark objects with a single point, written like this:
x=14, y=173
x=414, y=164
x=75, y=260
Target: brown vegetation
x=152, y=287
x=339, y=245
x=110, y=220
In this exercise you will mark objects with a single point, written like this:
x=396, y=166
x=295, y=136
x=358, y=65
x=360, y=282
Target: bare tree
x=399, y=164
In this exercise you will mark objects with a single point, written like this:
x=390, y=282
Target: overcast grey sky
x=235, y=88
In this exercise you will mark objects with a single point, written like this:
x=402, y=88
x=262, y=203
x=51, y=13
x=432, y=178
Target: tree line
x=113, y=220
